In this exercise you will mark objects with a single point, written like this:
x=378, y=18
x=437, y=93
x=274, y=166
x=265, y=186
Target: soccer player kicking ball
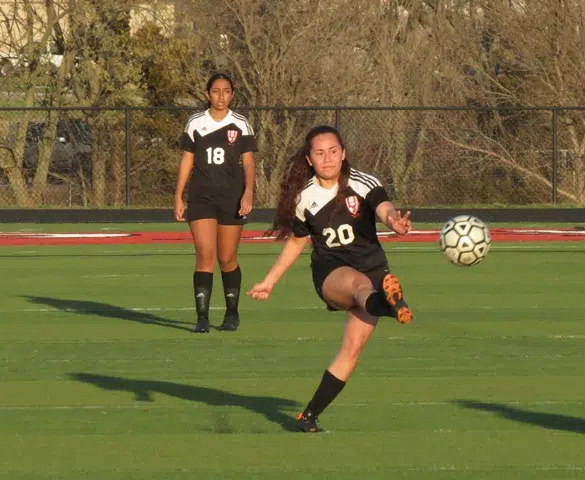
x=324, y=199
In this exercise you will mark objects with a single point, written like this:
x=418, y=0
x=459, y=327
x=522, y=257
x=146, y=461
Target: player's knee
x=360, y=282
x=205, y=258
x=227, y=262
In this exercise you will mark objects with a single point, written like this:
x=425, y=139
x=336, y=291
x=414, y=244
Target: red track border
x=256, y=236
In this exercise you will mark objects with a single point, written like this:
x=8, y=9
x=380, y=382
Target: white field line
x=132, y=360
x=382, y=233
x=40, y=236
x=421, y=246
x=189, y=309
x=116, y=275
x=137, y=309
x=150, y=405
x=308, y=338
x=411, y=247
x=505, y=469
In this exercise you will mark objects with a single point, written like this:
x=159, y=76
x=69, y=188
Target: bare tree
x=519, y=54
x=30, y=31
x=95, y=68
x=496, y=56
x=405, y=71
x=286, y=53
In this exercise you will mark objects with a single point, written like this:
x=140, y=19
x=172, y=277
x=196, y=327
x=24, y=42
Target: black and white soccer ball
x=465, y=240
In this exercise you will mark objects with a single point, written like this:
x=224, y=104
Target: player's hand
x=179, y=210
x=261, y=291
x=246, y=203
x=401, y=225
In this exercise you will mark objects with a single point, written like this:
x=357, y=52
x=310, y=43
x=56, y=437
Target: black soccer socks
x=202, y=286
x=232, y=282
x=328, y=389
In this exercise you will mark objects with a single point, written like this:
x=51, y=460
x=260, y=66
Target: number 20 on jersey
x=342, y=236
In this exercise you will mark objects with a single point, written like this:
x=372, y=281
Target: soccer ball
x=465, y=240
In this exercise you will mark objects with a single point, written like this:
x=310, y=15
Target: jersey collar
x=225, y=119
x=318, y=185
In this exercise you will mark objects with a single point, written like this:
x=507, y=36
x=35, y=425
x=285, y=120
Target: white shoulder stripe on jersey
x=371, y=177
x=192, y=119
x=366, y=176
x=359, y=172
x=308, y=184
x=240, y=116
x=364, y=181
x=245, y=120
x=196, y=115
x=300, y=211
x=360, y=186
x=370, y=180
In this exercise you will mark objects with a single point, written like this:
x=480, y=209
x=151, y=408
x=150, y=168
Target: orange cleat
x=395, y=298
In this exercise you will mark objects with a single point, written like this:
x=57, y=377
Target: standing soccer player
x=324, y=199
x=218, y=146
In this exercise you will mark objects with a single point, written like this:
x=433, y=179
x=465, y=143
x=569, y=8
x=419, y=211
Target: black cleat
x=308, y=424
x=230, y=323
x=202, y=326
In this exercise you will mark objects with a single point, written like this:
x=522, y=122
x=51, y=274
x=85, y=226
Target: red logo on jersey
x=353, y=205
x=232, y=135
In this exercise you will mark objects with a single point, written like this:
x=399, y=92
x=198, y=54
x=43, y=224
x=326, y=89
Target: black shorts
x=224, y=211
x=321, y=271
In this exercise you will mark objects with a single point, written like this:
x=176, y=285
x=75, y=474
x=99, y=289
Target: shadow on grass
x=86, y=307
x=270, y=407
x=552, y=421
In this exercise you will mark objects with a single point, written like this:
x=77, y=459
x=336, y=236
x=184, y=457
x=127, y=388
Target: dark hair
x=218, y=76
x=297, y=172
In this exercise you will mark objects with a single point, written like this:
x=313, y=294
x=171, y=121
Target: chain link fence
x=93, y=157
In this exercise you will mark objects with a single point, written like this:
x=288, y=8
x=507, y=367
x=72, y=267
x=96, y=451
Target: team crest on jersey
x=353, y=205
x=232, y=135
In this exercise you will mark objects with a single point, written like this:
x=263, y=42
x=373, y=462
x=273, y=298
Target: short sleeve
x=300, y=227
x=248, y=141
x=248, y=144
x=376, y=196
x=187, y=143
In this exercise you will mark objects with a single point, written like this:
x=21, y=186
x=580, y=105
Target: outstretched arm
x=293, y=248
x=393, y=219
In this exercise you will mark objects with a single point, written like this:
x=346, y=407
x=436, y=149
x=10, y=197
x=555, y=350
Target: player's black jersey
x=218, y=147
x=348, y=237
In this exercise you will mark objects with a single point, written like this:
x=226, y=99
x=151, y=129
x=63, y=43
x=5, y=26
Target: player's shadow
x=270, y=407
x=106, y=310
x=552, y=421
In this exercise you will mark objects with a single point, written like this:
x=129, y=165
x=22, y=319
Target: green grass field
x=100, y=377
